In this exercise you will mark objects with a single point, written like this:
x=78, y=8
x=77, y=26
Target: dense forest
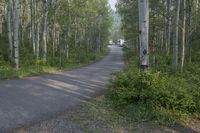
x=173, y=30
x=55, y=33
x=161, y=82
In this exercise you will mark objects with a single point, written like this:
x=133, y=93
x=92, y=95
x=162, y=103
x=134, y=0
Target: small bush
x=153, y=88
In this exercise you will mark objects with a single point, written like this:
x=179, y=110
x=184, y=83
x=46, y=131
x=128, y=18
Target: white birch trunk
x=143, y=31
x=38, y=38
x=67, y=48
x=23, y=21
x=54, y=33
x=38, y=31
x=68, y=40
x=165, y=27
x=175, y=44
x=33, y=25
x=168, y=27
x=183, y=36
x=9, y=24
x=54, y=37
x=57, y=40
x=45, y=31
x=16, y=32
x=155, y=47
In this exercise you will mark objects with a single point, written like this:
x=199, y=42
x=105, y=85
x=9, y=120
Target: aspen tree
x=32, y=6
x=9, y=24
x=183, y=36
x=44, y=36
x=143, y=33
x=175, y=43
x=16, y=33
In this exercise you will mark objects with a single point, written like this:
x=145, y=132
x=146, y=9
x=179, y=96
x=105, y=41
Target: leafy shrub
x=153, y=88
x=169, y=95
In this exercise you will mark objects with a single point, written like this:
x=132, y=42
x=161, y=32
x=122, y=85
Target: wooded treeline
x=52, y=31
x=172, y=29
x=161, y=83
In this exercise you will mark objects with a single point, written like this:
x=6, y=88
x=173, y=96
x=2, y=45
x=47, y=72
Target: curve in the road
x=32, y=99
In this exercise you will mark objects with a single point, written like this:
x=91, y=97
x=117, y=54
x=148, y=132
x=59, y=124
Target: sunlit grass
x=9, y=72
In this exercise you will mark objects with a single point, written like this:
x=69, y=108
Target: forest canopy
x=52, y=32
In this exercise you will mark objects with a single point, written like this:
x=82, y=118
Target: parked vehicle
x=111, y=42
x=120, y=43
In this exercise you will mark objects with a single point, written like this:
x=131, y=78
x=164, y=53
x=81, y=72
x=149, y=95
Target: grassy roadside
x=168, y=104
x=95, y=116
x=100, y=116
x=8, y=72
x=103, y=115
x=164, y=102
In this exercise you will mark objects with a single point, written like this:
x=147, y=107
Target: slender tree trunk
x=168, y=27
x=161, y=40
x=68, y=40
x=23, y=21
x=9, y=24
x=22, y=35
x=138, y=44
x=33, y=25
x=155, y=53
x=57, y=40
x=99, y=40
x=38, y=31
x=29, y=36
x=67, y=48
x=183, y=36
x=155, y=47
x=1, y=21
x=175, y=44
x=165, y=28
x=45, y=30
x=87, y=46
x=54, y=36
x=38, y=36
x=75, y=33
x=69, y=29
x=53, y=33
x=189, y=31
x=143, y=30
x=16, y=32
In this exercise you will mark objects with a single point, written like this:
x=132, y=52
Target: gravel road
x=33, y=99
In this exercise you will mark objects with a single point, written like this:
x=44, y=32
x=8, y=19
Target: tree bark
x=45, y=30
x=38, y=31
x=1, y=20
x=155, y=47
x=168, y=27
x=175, y=43
x=33, y=25
x=165, y=18
x=9, y=24
x=54, y=35
x=190, y=2
x=16, y=32
x=38, y=38
x=143, y=33
x=183, y=36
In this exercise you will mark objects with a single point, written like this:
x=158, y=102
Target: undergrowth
x=160, y=97
x=29, y=66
